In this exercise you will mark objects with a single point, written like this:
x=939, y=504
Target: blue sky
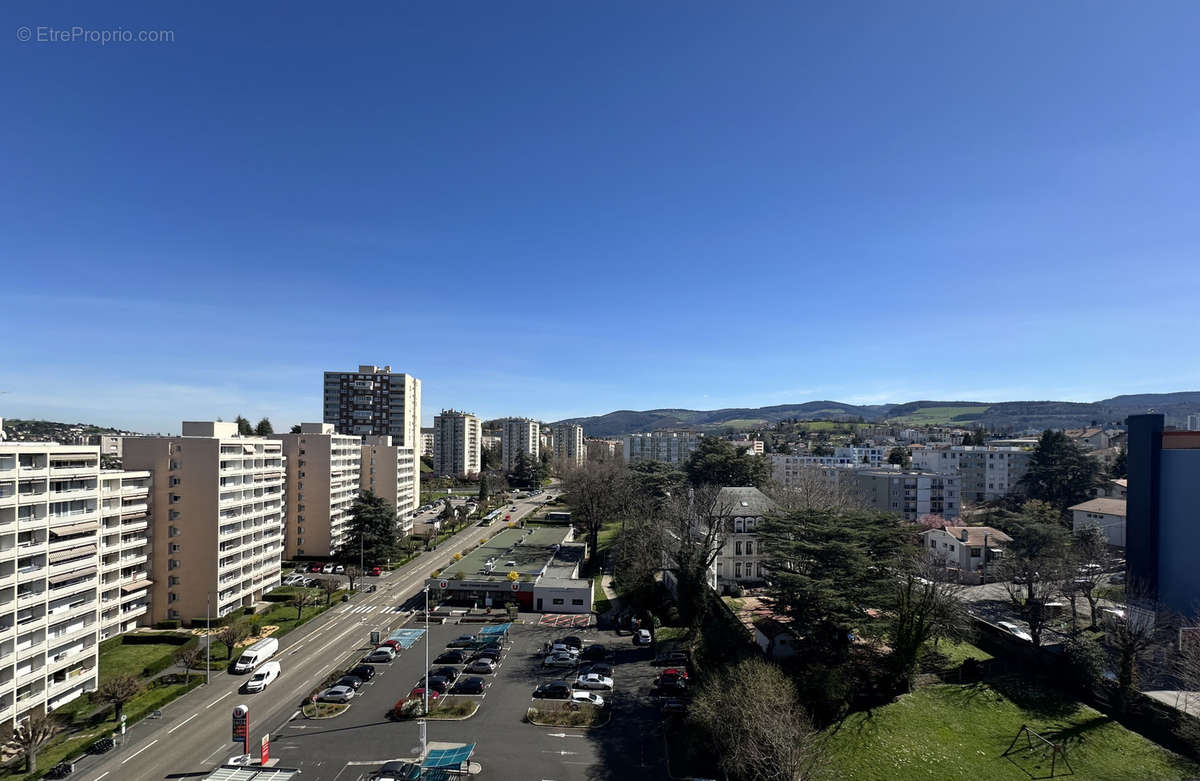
x=560, y=208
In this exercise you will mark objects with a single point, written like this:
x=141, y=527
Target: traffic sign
x=241, y=727
x=516, y=586
x=444, y=585
x=265, y=749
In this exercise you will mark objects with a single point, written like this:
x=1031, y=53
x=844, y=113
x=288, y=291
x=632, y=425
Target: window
x=172, y=563
x=576, y=601
x=749, y=549
x=172, y=596
x=737, y=549
x=174, y=547
x=737, y=570
x=172, y=580
x=558, y=601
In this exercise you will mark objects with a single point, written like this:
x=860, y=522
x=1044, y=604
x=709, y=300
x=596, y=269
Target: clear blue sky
x=566, y=208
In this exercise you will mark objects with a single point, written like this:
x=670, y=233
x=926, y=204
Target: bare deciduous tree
x=117, y=691
x=187, y=657
x=599, y=492
x=694, y=531
x=330, y=586
x=1093, y=559
x=1132, y=628
x=814, y=488
x=230, y=635
x=300, y=600
x=1034, y=569
x=353, y=573
x=753, y=715
x=29, y=736
x=926, y=605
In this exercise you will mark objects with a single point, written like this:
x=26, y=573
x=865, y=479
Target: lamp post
x=207, y=638
x=425, y=693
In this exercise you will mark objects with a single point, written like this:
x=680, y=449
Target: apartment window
x=576, y=601
x=172, y=531
x=172, y=563
x=173, y=515
x=172, y=613
x=173, y=498
x=737, y=570
x=172, y=580
x=558, y=601
x=172, y=596
x=737, y=549
x=749, y=549
x=174, y=481
x=174, y=547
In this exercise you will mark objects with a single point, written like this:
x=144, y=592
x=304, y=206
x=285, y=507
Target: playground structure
x=1039, y=747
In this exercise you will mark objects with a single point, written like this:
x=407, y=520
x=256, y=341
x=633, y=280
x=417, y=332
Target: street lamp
x=425, y=693
x=207, y=638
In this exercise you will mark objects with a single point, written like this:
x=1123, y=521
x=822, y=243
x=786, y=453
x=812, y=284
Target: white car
x=263, y=677
x=336, y=694
x=294, y=580
x=327, y=569
x=1015, y=631
x=339, y=570
x=560, y=660
x=594, y=681
x=642, y=637
x=559, y=648
x=588, y=697
x=382, y=654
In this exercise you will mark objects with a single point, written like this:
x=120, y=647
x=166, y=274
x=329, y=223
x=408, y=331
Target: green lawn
x=950, y=732
x=956, y=653
x=607, y=535
x=118, y=658
x=600, y=601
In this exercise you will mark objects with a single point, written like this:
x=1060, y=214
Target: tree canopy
x=1060, y=472
x=264, y=429
x=719, y=462
x=243, y=426
x=373, y=522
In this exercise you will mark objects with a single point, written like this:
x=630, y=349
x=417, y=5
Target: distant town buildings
x=1161, y=533
x=569, y=448
x=1193, y=422
x=605, y=450
x=986, y=472
x=754, y=447
x=967, y=551
x=387, y=471
x=427, y=442
x=670, y=447
x=322, y=483
x=1105, y=514
x=519, y=435
x=218, y=518
x=457, y=444
x=911, y=494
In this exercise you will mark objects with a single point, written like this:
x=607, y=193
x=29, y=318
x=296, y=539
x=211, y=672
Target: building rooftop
x=974, y=535
x=743, y=501
x=529, y=550
x=1107, y=506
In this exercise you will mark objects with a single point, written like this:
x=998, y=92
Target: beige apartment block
x=322, y=483
x=49, y=575
x=375, y=401
x=387, y=472
x=457, y=443
x=124, y=551
x=569, y=448
x=519, y=435
x=217, y=518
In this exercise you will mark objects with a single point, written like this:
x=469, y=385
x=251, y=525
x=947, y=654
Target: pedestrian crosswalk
x=357, y=609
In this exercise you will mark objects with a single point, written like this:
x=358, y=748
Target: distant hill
x=17, y=430
x=999, y=416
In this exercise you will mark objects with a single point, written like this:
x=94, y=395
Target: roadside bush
x=137, y=639
x=171, y=623
x=1085, y=662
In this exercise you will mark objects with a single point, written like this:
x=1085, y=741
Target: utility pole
x=983, y=574
x=207, y=638
x=425, y=693
x=361, y=569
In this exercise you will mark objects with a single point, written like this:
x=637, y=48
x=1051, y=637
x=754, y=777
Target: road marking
x=180, y=724
x=140, y=750
x=102, y=775
x=563, y=735
x=210, y=756
x=214, y=702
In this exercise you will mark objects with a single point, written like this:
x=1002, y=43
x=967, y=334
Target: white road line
x=102, y=775
x=140, y=750
x=180, y=724
x=214, y=702
x=210, y=756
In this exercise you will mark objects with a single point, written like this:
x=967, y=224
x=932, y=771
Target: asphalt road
x=195, y=731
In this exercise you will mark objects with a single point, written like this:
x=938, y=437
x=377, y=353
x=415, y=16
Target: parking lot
x=352, y=745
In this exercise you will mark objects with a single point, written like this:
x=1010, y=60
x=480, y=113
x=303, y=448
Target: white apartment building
x=49, y=575
x=322, y=484
x=218, y=518
x=782, y=465
x=387, y=472
x=671, y=447
x=569, y=449
x=427, y=442
x=124, y=551
x=457, y=444
x=519, y=435
x=604, y=449
x=911, y=494
x=374, y=401
x=985, y=472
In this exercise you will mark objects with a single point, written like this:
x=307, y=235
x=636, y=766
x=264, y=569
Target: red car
x=672, y=672
x=314, y=567
x=395, y=644
x=419, y=693
x=508, y=517
x=376, y=571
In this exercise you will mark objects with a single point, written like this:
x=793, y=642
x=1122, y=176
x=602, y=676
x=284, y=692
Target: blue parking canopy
x=448, y=757
x=491, y=631
x=406, y=637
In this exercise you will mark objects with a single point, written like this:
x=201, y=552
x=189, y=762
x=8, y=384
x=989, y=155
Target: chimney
x=965, y=534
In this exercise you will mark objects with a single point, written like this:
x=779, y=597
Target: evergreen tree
x=718, y=462
x=243, y=426
x=296, y=429
x=263, y=428
x=483, y=492
x=900, y=457
x=1119, y=469
x=1060, y=472
x=373, y=526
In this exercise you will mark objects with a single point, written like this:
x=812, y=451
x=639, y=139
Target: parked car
x=483, y=666
x=451, y=657
x=449, y=673
x=418, y=692
x=102, y=746
x=381, y=655
x=560, y=660
x=314, y=566
x=364, y=671
x=468, y=686
x=327, y=569
x=572, y=641
x=600, y=668
x=594, y=681
x=555, y=690
x=263, y=677
x=336, y=694
x=672, y=659
x=588, y=697
x=642, y=637
x=398, y=770
x=61, y=770
x=435, y=683
x=675, y=672
x=376, y=571
x=294, y=580
x=339, y=570
x=462, y=641
x=1015, y=630
x=594, y=653
x=493, y=655
x=392, y=644
x=671, y=681
x=353, y=681
x=559, y=648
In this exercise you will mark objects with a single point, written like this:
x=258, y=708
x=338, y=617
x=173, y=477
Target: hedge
x=170, y=623
x=174, y=639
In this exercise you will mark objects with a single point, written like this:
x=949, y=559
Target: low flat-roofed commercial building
x=217, y=518
x=1105, y=514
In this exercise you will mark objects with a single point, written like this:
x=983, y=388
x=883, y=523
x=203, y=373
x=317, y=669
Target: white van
x=263, y=676
x=256, y=654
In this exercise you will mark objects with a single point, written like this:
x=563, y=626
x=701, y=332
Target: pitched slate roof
x=1102, y=505
x=743, y=502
